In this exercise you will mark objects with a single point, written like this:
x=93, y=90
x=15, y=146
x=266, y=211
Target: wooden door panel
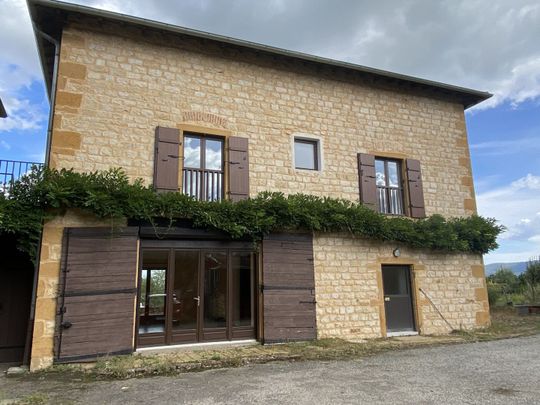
x=288, y=288
x=98, y=295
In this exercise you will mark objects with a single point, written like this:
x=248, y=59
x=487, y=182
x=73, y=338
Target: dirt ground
x=498, y=365
x=496, y=372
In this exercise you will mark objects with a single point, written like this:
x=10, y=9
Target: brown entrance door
x=196, y=295
x=398, y=298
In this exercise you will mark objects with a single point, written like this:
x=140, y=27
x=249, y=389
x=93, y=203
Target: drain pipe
x=52, y=98
x=437, y=309
x=52, y=93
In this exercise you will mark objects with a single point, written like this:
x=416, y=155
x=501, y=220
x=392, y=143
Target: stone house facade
x=149, y=97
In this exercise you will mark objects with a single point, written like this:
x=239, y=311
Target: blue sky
x=490, y=45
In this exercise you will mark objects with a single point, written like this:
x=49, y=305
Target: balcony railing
x=11, y=171
x=205, y=185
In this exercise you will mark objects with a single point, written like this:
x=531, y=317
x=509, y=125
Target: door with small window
x=398, y=303
x=203, y=170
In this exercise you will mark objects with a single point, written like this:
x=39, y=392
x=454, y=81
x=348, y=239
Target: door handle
x=387, y=299
x=198, y=299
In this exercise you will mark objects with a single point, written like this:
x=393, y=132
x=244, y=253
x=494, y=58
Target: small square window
x=306, y=154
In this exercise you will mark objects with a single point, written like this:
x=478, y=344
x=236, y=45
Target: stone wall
x=349, y=292
x=116, y=86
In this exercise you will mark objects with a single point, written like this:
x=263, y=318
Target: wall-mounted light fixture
x=396, y=252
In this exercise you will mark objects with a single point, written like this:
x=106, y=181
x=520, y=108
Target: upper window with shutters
x=203, y=171
x=207, y=167
x=391, y=186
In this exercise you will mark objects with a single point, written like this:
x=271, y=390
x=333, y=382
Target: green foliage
x=507, y=279
x=531, y=277
x=505, y=276
x=494, y=293
x=504, y=288
x=109, y=194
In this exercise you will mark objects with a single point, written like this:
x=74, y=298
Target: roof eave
x=470, y=97
x=3, y=113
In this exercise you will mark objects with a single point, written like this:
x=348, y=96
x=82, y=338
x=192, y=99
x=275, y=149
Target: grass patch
x=505, y=324
x=34, y=399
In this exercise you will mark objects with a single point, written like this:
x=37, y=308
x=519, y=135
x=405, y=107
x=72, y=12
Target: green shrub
x=494, y=294
x=108, y=194
x=531, y=277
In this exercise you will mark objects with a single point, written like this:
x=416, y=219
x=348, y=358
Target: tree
x=505, y=281
x=532, y=278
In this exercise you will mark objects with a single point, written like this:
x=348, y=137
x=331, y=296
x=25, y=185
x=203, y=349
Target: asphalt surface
x=499, y=372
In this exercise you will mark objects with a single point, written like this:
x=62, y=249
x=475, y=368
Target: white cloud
x=516, y=206
x=507, y=147
x=19, y=68
x=23, y=115
x=5, y=145
x=528, y=182
x=522, y=254
x=523, y=84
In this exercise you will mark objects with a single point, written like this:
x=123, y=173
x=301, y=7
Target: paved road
x=501, y=372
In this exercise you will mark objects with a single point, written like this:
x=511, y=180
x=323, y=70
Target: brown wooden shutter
x=96, y=304
x=366, y=176
x=416, y=192
x=166, y=159
x=238, y=169
x=288, y=288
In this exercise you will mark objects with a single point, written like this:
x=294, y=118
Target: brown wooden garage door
x=288, y=288
x=98, y=294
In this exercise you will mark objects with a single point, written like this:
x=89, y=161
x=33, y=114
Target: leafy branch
x=46, y=193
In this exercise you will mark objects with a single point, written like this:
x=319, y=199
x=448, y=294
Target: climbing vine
x=44, y=193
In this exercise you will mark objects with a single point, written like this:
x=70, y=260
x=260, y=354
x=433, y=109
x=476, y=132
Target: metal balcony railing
x=11, y=171
x=203, y=184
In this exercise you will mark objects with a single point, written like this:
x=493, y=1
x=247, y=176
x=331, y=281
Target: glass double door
x=196, y=295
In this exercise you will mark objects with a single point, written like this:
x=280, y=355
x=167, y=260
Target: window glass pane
x=393, y=174
x=395, y=281
x=215, y=290
x=185, y=292
x=142, y=293
x=305, y=154
x=192, y=152
x=241, y=288
x=380, y=175
x=153, y=291
x=213, y=154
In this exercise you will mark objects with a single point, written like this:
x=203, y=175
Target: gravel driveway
x=499, y=372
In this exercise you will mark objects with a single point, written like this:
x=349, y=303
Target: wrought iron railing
x=11, y=171
x=203, y=184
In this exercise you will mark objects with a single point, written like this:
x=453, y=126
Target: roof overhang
x=3, y=113
x=49, y=17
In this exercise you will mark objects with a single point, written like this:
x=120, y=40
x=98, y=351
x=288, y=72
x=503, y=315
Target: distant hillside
x=517, y=268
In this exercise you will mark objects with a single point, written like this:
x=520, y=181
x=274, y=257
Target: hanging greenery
x=45, y=193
